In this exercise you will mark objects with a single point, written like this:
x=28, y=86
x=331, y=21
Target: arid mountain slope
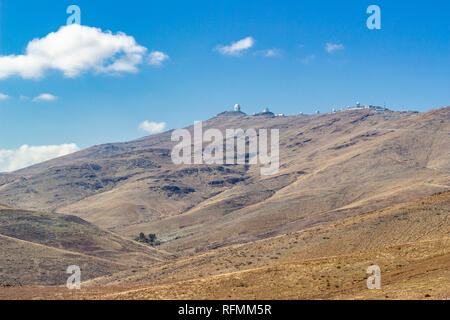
x=412, y=271
x=26, y=263
x=409, y=242
x=319, y=184
x=38, y=247
x=333, y=166
x=426, y=219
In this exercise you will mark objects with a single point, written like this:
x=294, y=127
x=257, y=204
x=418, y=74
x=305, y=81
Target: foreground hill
x=426, y=219
x=410, y=243
x=38, y=247
x=411, y=271
x=27, y=263
x=333, y=166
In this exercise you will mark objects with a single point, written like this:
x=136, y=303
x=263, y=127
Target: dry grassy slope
x=341, y=174
x=412, y=271
x=74, y=234
x=423, y=220
x=156, y=196
x=24, y=263
x=129, y=188
x=332, y=166
x=410, y=243
x=35, y=246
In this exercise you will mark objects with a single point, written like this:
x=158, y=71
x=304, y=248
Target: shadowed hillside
x=38, y=247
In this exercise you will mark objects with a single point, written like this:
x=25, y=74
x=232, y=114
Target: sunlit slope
x=425, y=220
x=411, y=271
x=410, y=243
x=333, y=166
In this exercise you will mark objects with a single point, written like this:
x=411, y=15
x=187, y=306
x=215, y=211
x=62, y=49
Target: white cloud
x=3, y=96
x=74, y=50
x=330, y=47
x=308, y=59
x=152, y=127
x=237, y=48
x=270, y=53
x=25, y=156
x=45, y=97
x=156, y=58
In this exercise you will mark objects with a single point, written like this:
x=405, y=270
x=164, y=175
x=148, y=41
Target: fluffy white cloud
x=3, y=96
x=330, y=47
x=12, y=160
x=156, y=58
x=152, y=127
x=238, y=47
x=73, y=50
x=45, y=97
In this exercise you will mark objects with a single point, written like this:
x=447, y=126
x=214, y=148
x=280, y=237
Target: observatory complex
x=236, y=111
x=371, y=107
x=266, y=112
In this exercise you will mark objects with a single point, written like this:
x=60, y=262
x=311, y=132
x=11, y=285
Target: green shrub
x=151, y=240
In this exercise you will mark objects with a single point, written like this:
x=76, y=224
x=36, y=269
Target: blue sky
x=287, y=68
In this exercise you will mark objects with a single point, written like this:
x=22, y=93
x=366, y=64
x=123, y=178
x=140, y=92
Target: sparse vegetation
x=151, y=239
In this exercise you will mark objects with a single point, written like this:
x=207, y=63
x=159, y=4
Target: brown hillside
x=426, y=219
x=38, y=247
x=333, y=166
x=413, y=271
x=409, y=242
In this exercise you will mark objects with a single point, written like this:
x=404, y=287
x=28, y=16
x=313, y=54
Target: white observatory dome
x=237, y=107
